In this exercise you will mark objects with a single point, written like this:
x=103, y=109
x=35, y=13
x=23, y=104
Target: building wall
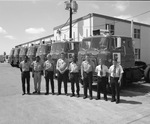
x=98, y=23
x=85, y=27
x=145, y=44
x=122, y=28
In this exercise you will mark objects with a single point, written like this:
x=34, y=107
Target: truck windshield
x=41, y=50
x=31, y=50
x=23, y=51
x=16, y=52
x=95, y=43
x=58, y=47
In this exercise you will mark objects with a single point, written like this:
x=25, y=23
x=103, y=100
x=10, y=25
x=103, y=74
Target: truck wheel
x=147, y=74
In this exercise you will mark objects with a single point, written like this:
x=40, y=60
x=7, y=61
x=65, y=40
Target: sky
x=25, y=20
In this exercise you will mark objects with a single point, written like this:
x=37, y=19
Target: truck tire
x=141, y=64
x=147, y=74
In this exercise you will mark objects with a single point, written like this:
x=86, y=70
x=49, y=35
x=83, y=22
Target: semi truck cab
x=108, y=47
x=22, y=53
x=43, y=50
x=31, y=52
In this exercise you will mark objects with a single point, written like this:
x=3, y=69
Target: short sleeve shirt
x=119, y=70
x=87, y=66
x=74, y=67
x=62, y=64
x=25, y=66
x=48, y=65
x=37, y=66
x=104, y=70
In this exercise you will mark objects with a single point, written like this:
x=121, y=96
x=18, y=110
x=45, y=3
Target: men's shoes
x=84, y=97
x=72, y=95
x=34, y=92
x=23, y=93
x=46, y=93
x=28, y=93
x=78, y=95
x=113, y=100
x=66, y=94
x=91, y=98
x=58, y=94
x=105, y=99
x=117, y=101
x=97, y=98
x=39, y=92
x=53, y=93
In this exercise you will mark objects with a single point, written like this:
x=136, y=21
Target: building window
x=111, y=28
x=137, y=33
x=137, y=54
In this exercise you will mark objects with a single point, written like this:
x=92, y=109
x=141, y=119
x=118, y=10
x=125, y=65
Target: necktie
x=101, y=72
x=114, y=71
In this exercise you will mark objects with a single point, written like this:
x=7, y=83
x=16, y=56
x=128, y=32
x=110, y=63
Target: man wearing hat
x=115, y=75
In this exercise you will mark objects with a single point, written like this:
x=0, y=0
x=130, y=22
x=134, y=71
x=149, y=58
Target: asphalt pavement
x=134, y=107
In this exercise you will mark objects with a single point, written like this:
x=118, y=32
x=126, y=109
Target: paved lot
x=41, y=109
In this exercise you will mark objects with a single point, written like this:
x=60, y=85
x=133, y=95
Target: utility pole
x=70, y=33
x=72, y=6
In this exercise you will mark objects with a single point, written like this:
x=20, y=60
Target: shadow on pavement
x=136, y=89
x=132, y=90
x=129, y=102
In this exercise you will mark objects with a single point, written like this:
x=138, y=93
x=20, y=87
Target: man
x=62, y=69
x=102, y=73
x=25, y=74
x=37, y=71
x=116, y=72
x=49, y=74
x=87, y=69
x=74, y=75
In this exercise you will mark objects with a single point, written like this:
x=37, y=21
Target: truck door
x=116, y=48
x=128, y=53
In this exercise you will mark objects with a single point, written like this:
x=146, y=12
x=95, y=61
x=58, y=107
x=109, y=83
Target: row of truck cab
x=106, y=47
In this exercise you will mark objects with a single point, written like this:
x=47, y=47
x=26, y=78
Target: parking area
x=134, y=107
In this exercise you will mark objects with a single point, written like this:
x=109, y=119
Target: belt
x=87, y=72
x=101, y=77
x=49, y=70
x=74, y=72
x=37, y=71
x=25, y=71
x=114, y=77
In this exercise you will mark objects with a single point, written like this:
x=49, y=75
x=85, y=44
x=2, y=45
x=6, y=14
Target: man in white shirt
x=49, y=74
x=102, y=74
x=74, y=75
x=37, y=69
x=87, y=69
x=62, y=68
x=115, y=75
x=25, y=74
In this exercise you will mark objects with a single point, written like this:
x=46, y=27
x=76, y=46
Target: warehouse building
x=46, y=39
x=84, y=27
